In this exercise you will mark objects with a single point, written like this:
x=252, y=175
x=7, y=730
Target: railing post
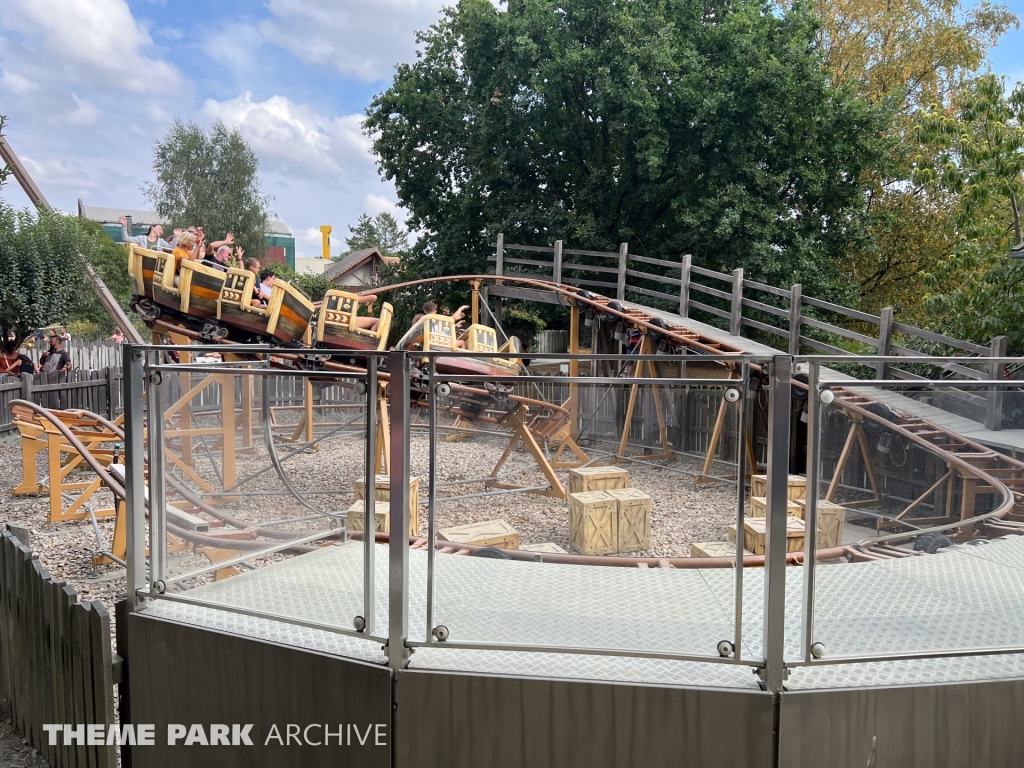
x=26, y=387
x=884, y=341
x=779, y=407
x=558, y=262
x=620, y=288
x=736, y=315
x=994, y=402
x=398, y=544
x=370, y=501
x=135, y=472
x=796, y=295
x=499, y=263
x=684, y=286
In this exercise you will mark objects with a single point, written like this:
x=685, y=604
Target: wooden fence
x=90, y=355
x=781, y=317
x=98, y=391
x=56, y=665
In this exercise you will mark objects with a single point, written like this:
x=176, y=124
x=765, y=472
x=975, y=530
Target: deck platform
x=966, y=596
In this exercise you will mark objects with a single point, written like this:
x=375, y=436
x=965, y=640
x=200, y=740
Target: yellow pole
x=325, y=233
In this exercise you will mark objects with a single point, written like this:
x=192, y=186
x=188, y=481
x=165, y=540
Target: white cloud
x=380, y=204
x=84, y=113
x=235, y=46
x=295, y=135
x=17, y=84
x=95, y=41
x=53, y=171
x=364, y=38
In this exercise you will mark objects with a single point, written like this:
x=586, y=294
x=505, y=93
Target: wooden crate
x=797, y=486
x=382, y=492
x=593, y=522
x=715, y=549
x=754, y=529
x=489, y=533
x=381, y=516
x=759, y=505
x=831, y=522
x=547, y=548
x=589, y=479
x=633, y=513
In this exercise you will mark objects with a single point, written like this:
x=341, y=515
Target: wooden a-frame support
x=645, y=349
x=855, y=437
x=521, y=431
x=716, y=435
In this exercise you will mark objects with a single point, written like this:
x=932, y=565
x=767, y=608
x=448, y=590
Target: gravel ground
x=14, y=752
x=683, y=513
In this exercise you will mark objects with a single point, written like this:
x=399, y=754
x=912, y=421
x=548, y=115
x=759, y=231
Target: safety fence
x=782, y=318
x=56, y=664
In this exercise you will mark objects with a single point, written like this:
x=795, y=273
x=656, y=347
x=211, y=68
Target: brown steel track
x=987, y=470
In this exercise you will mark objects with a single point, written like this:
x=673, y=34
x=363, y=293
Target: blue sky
x=89, y=85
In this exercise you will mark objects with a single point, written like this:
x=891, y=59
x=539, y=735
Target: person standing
x=56, y=359
x=118, y=337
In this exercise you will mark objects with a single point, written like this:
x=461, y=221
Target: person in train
x=153, y=239
x=219, y=259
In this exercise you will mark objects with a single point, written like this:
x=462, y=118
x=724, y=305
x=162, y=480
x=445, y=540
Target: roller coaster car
x=437, y=333
x=336, y=326
x=284, y=318
x=142, y=263
x=189, y=290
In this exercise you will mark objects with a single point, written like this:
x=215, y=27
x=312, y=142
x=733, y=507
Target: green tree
x=679, y=127
x=381, y=231
x=42, y=269
x=977, y=154
x=905, y=54
x=210, y=179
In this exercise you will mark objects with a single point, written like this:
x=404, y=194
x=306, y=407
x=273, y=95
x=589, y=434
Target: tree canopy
x=381, y=231
x=210, y=179
x=680, y=127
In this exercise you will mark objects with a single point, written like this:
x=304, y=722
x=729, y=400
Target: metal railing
x=407, y=383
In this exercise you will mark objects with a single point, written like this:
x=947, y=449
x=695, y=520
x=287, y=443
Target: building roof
x=338, y=271
x=111, y=215
x=103, y=215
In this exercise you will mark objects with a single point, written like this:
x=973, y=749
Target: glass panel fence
x=537, y=485
x=913, y=501
x=262, y=461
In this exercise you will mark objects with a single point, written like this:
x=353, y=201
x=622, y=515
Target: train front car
x=339, y=326
x=471, y=350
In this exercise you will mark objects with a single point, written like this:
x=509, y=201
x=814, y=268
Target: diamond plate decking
x=968, y=596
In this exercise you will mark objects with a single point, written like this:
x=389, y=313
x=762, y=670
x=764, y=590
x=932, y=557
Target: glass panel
x=533, y=468
x=264, y=478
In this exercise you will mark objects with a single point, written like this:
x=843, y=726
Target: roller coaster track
x=988, y=470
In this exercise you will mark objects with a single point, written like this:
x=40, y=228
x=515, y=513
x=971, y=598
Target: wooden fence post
x=26, y=386
x=558, y=262
x=684, y=286
x=620, y=288
x=796, y=295
x=499, y=264
x=111, y=393
x=884, y=341
x=736, y=315
x=994, y=402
